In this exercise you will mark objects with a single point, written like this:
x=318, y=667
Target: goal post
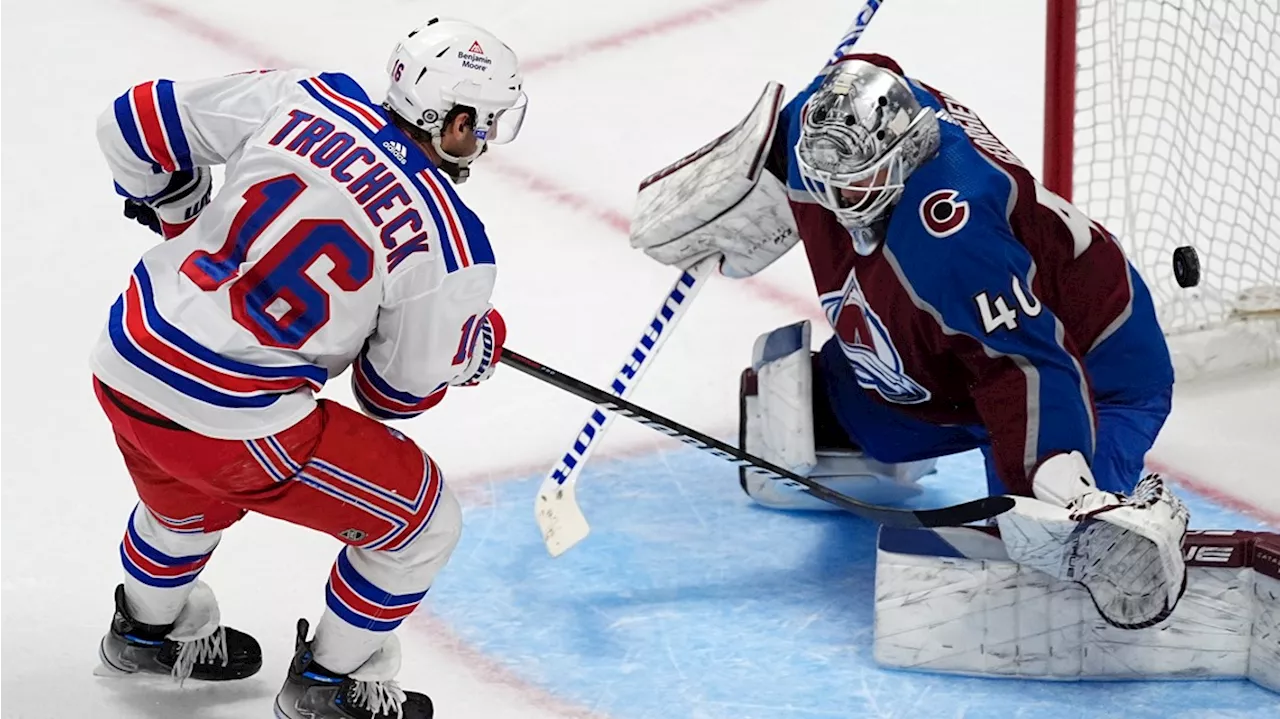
x=1162, y=122
x=1059, y=95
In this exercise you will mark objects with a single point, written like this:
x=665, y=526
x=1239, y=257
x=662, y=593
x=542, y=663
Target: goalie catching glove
x=720, y=201
x=1126, y=551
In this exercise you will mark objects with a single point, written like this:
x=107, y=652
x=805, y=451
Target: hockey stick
x=974, y=511
x=856, y=29
x=556, y=509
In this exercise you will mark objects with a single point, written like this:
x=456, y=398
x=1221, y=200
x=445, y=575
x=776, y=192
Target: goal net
x=1163, y=124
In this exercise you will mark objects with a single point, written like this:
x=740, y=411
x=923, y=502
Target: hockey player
x=335, y=241
x=971, y=308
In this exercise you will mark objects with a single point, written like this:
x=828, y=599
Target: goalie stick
x=556, y=510
x=974, y=511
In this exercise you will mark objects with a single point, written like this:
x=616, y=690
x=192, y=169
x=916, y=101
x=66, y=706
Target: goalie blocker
x=950, y=600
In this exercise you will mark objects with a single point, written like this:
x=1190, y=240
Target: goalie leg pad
x=777, y=424
x=950, y=600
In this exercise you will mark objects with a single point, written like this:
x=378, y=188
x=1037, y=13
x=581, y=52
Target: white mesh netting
x=1177, y=142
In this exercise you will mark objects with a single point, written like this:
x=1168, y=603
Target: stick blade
x=559, y=518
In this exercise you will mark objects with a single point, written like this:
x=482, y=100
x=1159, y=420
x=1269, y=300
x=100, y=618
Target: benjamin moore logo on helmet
x=474, y=57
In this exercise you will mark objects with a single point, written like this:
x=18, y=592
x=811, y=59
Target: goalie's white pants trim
x=950, y=601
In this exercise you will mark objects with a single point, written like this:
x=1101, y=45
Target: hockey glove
x=720, y=201
x=486, y=350
x=174, y=208
x=1126, y=551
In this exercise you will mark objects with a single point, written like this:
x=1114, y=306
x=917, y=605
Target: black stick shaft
x=965, y=513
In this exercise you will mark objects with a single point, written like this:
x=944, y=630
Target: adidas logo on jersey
x=397, y=150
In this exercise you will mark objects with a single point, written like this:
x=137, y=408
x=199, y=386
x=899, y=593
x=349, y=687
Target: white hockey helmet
x=862, y=130
x=444, y=63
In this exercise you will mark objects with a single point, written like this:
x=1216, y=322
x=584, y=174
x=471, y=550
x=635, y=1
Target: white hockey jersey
x=332, y=242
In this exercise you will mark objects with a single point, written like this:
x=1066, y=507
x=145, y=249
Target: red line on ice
x=1216, y=494
x=222, y=39
x=622, y=38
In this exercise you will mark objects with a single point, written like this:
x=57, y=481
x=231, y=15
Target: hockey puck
x=1186, y=266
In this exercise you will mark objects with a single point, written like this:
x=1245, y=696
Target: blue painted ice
x=688, y=601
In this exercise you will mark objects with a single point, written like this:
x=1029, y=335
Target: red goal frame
x=1059, y=95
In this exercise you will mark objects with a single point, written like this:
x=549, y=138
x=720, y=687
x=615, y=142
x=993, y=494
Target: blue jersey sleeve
x=959, y=257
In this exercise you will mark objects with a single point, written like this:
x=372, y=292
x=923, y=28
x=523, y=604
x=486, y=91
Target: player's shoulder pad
x=347, y=99
x=957, y=203
x=464, y=241
x=950, y=229
x=346, y=86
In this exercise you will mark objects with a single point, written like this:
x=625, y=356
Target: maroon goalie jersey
x=991, y=302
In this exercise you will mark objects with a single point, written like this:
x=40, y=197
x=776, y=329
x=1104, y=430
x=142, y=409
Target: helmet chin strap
x=456, y=166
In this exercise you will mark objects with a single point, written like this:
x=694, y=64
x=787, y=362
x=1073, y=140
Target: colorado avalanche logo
x=868, y=347
x=942, y=215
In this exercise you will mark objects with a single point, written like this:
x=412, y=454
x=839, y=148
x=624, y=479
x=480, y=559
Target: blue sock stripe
x=358, y=621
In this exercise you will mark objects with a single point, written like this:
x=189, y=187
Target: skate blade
x=106, y=669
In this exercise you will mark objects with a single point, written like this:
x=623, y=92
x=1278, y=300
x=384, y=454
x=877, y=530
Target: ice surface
x=643, y=611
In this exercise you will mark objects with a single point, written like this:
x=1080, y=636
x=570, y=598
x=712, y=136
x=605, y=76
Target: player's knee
x=438, y=537
x=412, y=567
x=446, y=522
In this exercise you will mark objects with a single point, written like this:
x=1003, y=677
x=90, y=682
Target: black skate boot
x=133, y=647
x=313, y=692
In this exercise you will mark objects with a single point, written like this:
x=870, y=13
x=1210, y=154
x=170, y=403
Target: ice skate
x=131, y=647
x=313, y=692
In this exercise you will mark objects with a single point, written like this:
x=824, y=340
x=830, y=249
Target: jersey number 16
x=274, y=298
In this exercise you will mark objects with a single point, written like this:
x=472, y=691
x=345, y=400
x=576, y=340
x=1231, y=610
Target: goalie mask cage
x=1162, y=122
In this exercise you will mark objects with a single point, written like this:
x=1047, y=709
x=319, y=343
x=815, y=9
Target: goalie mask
x=447, y=63
x=862, y=131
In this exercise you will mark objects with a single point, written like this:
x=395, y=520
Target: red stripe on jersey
x=144, y=105
x=171, y=231
x=154, y=346
x=388, y=404
x=348, y=103
x=446, y=209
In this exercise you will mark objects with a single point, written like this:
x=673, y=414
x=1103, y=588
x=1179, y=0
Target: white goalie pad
x=719, y=200
x=951, y=601
x=783, y=417
x=777, y=424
